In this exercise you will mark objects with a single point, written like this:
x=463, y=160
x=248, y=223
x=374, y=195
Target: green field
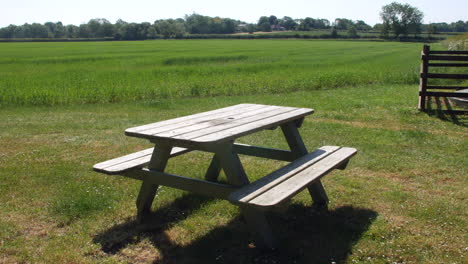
x=64, y=107
x=97, y=72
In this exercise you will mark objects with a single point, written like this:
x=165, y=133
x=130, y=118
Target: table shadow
x=305, y=235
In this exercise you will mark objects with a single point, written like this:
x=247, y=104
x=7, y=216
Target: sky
x=76, y=12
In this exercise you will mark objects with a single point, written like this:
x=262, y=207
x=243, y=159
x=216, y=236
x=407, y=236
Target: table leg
x=296, y=144
x=148, y=190
x=256, y=220
x=214, y=169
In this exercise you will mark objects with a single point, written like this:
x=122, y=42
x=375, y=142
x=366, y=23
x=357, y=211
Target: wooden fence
x=443, y=59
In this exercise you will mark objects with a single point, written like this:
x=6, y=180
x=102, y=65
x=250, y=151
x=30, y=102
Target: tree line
x=173, y=28
x=397, y=20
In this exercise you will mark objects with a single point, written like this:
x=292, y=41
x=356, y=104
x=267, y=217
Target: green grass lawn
x=402, y=198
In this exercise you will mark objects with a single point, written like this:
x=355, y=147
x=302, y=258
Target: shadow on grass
x=305, y=236
x=443, y=109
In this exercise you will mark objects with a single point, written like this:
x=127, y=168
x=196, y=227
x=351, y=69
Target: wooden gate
x=437, y=59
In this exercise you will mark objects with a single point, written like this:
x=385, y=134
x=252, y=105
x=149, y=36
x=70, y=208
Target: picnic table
x=216, y=132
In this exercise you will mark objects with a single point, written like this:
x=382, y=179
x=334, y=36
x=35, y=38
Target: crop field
x=65, y=106
x=98, y=72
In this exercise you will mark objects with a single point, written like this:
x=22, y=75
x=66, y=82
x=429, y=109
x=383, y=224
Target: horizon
x=365, y=10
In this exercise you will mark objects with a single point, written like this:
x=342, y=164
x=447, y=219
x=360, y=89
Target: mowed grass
x=98, y=72
x=402, y=198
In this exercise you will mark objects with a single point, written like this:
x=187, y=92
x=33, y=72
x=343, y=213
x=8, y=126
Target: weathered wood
x=231, y=165
x=222, y=126
x=295, y=181
x=447, y=76
x=239, y=120
x=262, y=152
x=423, y=78
x=425, y=75
x=447, y=58
x=446, y=87
x=220, y=122
x=448, y=64
x=197, y=186
x=294, y=140
x=185, y=118
x=132, y=161
x=460, y=52
x=238, y=131
x=236, y=176
x=298, y=148
x=158, y=162
x=194, y=124
x=214, y=169
x=260, y=186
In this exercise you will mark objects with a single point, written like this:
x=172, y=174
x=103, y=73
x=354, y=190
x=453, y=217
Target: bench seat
x=131, y=161
x=287, y=181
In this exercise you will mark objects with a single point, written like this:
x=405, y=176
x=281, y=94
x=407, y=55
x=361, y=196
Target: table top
x=219, y=125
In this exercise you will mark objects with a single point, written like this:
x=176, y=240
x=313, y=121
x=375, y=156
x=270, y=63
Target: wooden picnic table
x=216, y=132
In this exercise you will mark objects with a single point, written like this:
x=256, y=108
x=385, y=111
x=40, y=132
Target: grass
x=401, y=200
x=101, y=72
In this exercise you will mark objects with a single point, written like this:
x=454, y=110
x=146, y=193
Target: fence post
x=423, y=78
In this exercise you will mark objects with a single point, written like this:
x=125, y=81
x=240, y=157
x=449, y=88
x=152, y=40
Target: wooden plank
x=210, y=189
x=447, y=58
x=262, y=152
x=460, y=52
x=448, y=64
x=446, y=94
x=447, y=76
x=148, y=190
x=258, y=187
x=445, y=87
x=294, y=140
x=213, y=171
x=254, y=126
x=236, y=122
x=234, y=117
x=295, y=184
x=423, y=78
x=256, y=220
x=123, y=159
x=137, y=159
x=185, y=118
x=172, y=124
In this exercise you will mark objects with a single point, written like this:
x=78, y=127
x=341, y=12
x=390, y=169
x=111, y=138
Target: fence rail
x=425, y=90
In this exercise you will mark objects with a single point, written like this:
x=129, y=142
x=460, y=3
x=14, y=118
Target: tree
x=322, y=23
x=288, y=23
x=431, y=29
x=264, y=24
x=306, y=24
x=343, y=23
x=333, y=32
x=273, y=20
x=197, y=24
x=170, y=28
x=352, y=32
x=402, y=19
x=459, y=26
x=361, y=25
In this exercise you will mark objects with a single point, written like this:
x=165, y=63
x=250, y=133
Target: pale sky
x=76, y=12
